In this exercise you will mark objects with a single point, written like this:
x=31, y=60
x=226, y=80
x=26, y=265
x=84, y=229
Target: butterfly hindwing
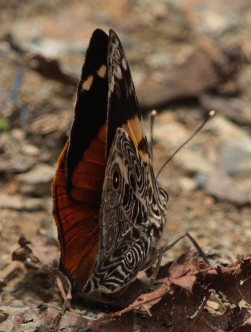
x=123, y=218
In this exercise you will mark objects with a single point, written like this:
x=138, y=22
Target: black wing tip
x=98, y=36
x=100, y=33
x=96, y=53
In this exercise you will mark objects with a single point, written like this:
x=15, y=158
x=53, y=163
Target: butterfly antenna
x=152, y=118
x=210, y=114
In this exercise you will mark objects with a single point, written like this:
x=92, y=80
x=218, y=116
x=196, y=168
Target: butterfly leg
x=163, y=249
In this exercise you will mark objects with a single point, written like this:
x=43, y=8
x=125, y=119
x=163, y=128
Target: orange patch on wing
x=76, y=211
x=135, y=129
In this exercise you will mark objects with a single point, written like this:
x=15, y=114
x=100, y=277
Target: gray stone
x=194, y=162
x=235, y=160
x=37, y=181
x=222, y=187
x=54, y=48
x=186, y=184
x=170, y=135
x=234, y=147
x=216, y=23
x=20, y=202
x=202, y=180
x=221, y=166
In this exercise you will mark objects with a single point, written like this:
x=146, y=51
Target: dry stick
x=95, y=324
x=197, y=314
x=66, y=295
x=61, y=287
x=55, y=323
x=34, y=262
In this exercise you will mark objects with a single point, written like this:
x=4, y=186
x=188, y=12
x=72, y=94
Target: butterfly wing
x=132, y=213
x=77, y=187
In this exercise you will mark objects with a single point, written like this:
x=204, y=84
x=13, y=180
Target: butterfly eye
x=115, y=179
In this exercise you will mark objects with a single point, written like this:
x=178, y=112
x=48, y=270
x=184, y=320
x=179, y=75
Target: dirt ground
x=186, y=58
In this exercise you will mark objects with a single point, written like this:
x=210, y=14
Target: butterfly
x=108, y=208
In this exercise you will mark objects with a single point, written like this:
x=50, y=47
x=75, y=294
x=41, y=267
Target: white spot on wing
x=102, y=71
x=87, y=83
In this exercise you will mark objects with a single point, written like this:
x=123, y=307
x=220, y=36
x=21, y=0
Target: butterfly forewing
x=77, y=187
x=123, y=107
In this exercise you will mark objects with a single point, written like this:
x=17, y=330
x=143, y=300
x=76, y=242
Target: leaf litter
x=187, y=295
